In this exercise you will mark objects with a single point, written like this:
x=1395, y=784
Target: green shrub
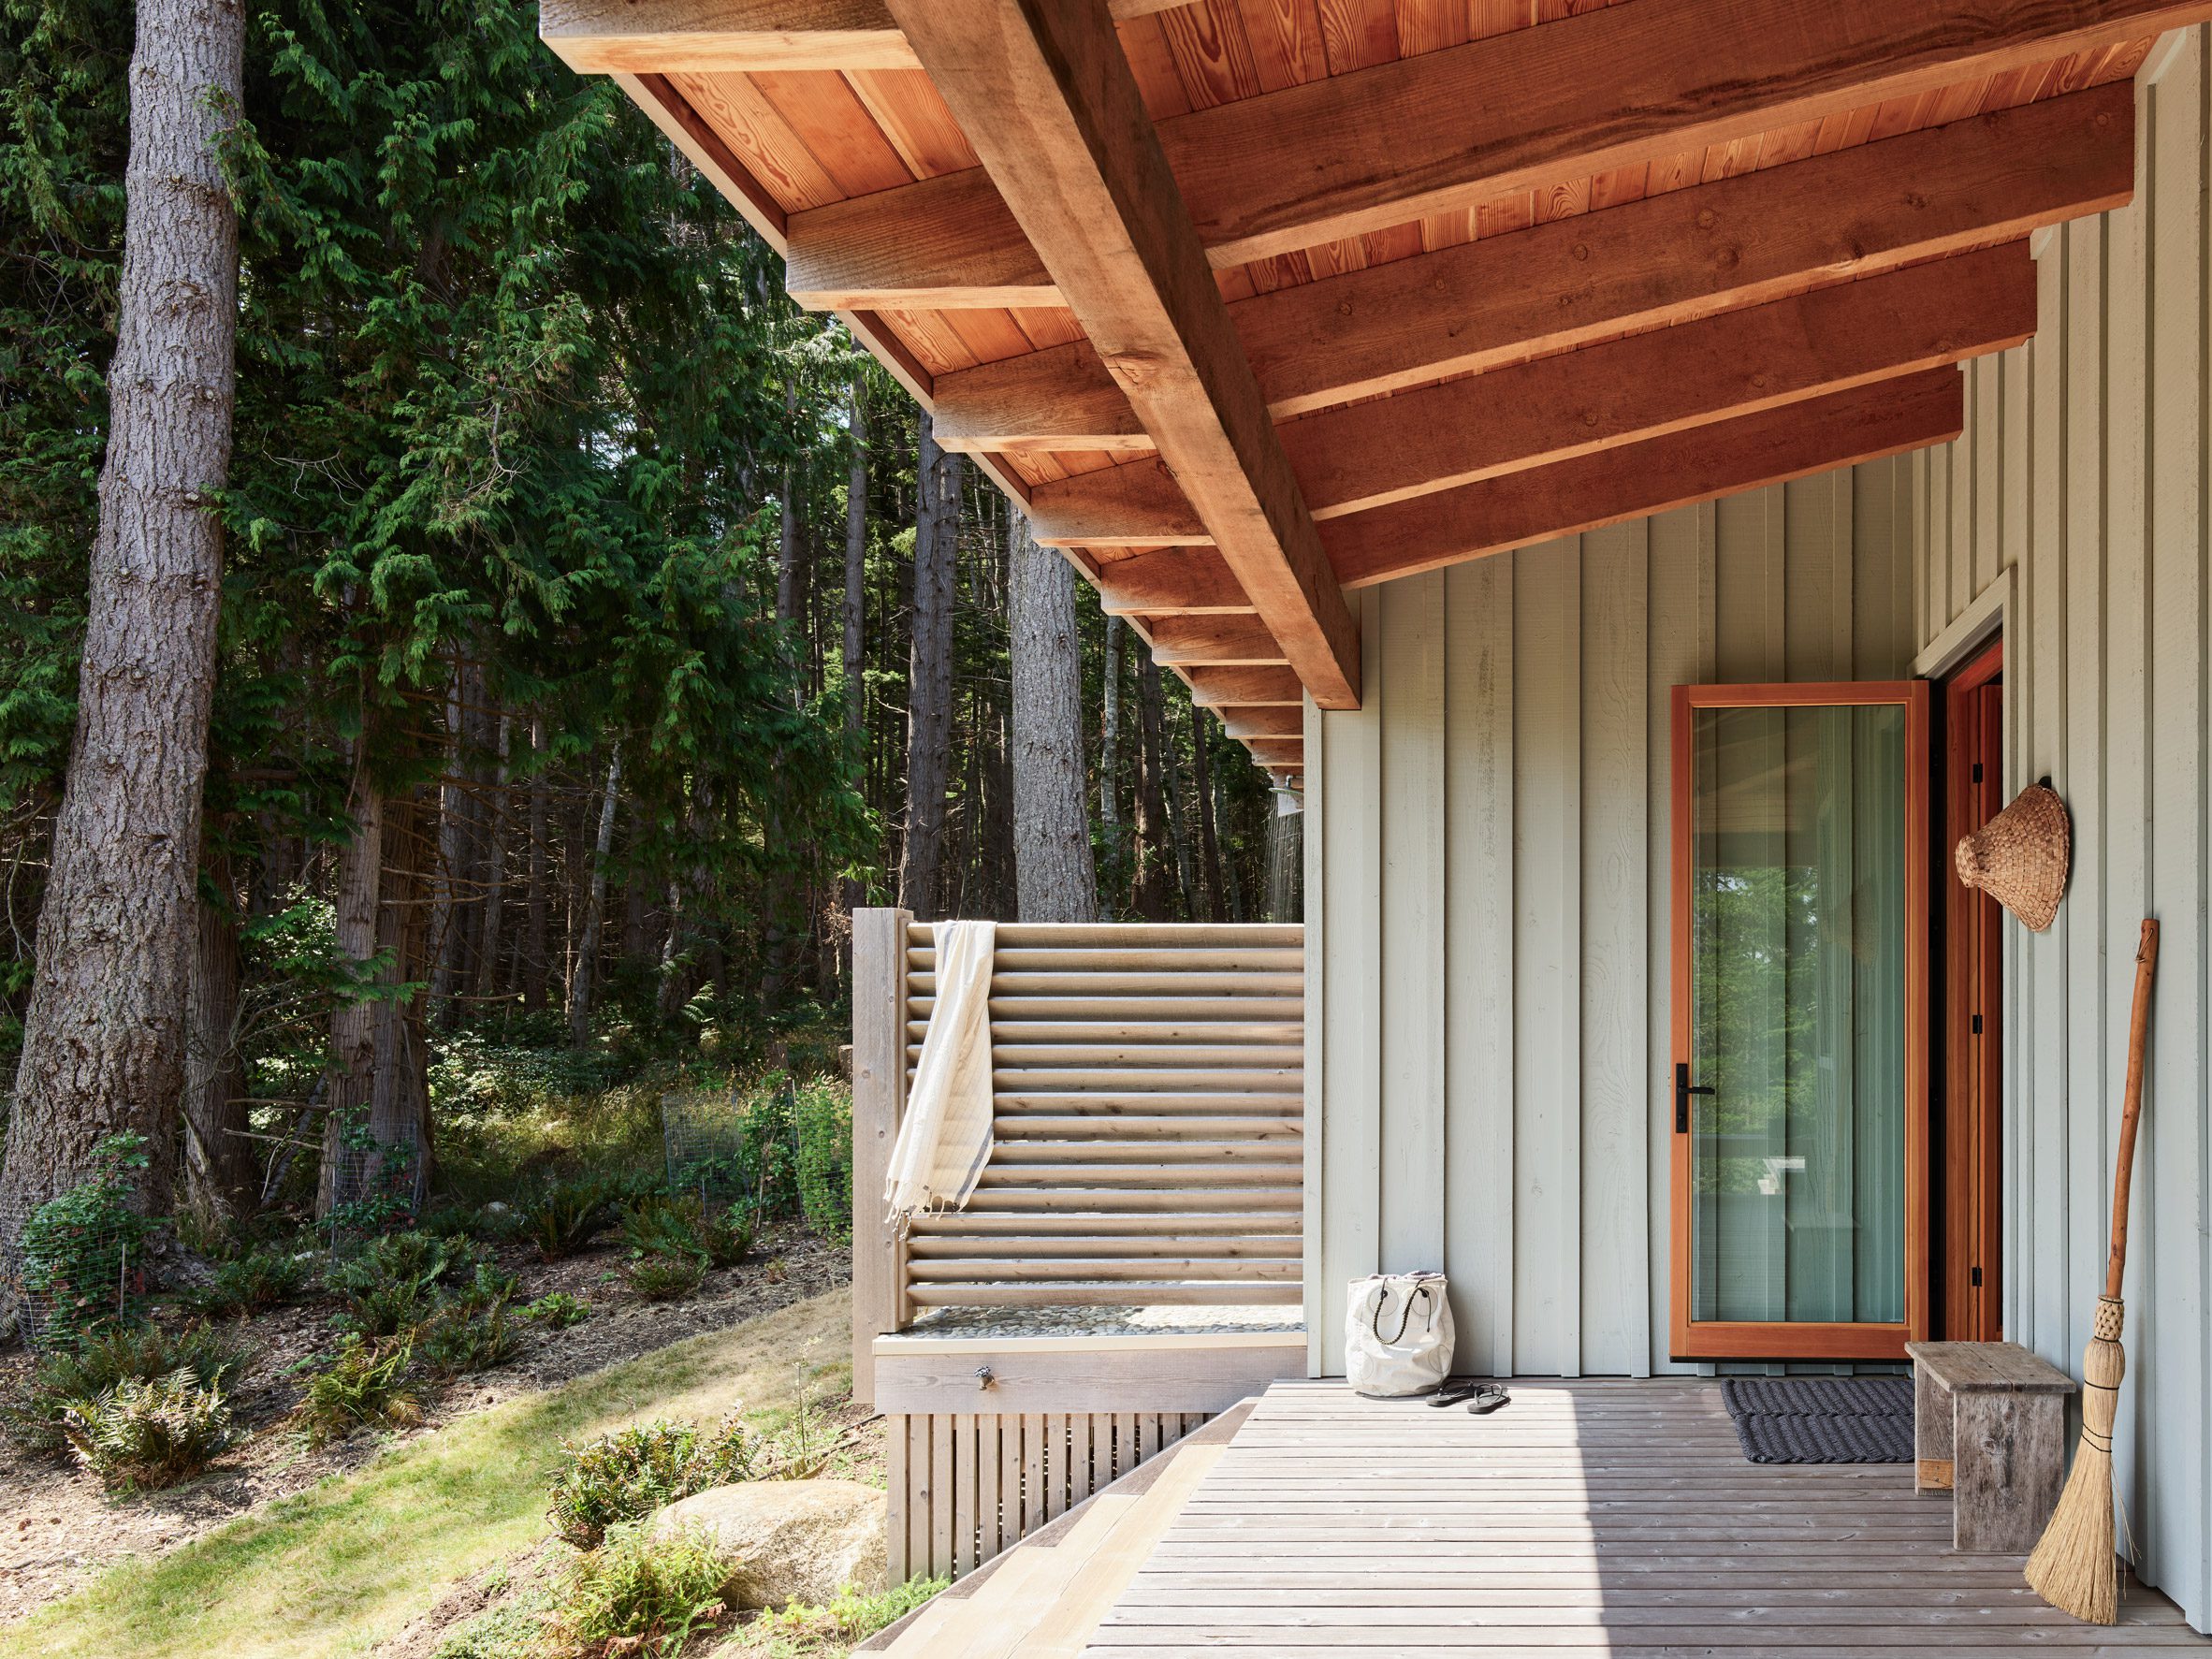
x=665, y=1226
x=556, y=1310
x=254, y=1282
x=627, y=1475
x=821, y=1112
x=397, y=1281
x=104, y=1359
x=142, y=1435
x=849, y=1620
x=364, y=1386
x=83, y=1251
x=460, y=1338
x=563, y=1217
x=636, y=1594
x=664, y=1278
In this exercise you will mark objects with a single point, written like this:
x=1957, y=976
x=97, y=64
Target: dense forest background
x=568, y=686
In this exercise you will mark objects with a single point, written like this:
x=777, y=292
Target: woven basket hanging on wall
x=2020, y=857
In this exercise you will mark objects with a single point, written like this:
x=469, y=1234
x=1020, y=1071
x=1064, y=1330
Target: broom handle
x=2146, y=957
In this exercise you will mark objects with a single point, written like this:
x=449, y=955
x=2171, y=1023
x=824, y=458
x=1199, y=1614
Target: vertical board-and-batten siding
x=2083, y=473
x=1487, y=901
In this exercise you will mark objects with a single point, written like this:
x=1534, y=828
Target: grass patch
x=349, y=1562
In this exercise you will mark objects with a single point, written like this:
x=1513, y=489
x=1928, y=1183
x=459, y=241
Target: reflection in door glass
x=1797, y=1014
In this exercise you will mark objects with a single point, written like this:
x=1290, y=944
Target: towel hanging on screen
x=944, y=1137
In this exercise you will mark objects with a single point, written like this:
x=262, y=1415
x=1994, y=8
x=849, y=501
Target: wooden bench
x=1989, y=1427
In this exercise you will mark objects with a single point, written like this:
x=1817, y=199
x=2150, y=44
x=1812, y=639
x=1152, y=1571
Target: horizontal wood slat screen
x=1149, y=1138
x=964, y=1486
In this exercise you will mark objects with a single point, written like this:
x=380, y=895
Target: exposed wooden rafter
x=1246, y=688
x=1367, y=455
x=710, y=37
x=1047, y=99
x=1668, y=259
x=1424, y=134
x=1747, y=453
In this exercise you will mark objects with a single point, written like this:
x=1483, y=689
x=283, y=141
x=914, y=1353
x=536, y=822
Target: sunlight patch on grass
x=344, y=1564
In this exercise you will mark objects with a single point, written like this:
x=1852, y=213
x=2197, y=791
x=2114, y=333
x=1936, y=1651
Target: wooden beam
x=1429, y=133
x=1171, y=582
x=1262, y=722
x=738, y=36
x=1272, y=752
x=1502, y=514
x=1206, y=642
x=1367, y=455
x=1666, y=259
x=1247, y=688
x=1049, y=102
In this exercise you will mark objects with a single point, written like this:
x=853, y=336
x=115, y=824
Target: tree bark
x=218, y=1159
x=535, y=930
x=445, y=924
x=1286, y=865
x=1110, y=729
x=1055, y=878
x=1149, y=882
x=580, y=980
x=352, y=1024
x=495, y=870
x=856, y=563
x=1202, y=789
x=930, y=679
x=104, y=1036
x=1177, y=814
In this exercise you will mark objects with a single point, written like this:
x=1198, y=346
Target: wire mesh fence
x=378, y=1176
x=732, y=1145
x=63, y=1273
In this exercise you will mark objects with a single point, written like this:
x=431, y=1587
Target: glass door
x=1801, y=1020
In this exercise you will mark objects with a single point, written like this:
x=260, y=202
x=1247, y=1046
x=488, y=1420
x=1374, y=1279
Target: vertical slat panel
x=1547, y=959
x=1125, y=1442
x=1477, y=986
x=990, y=1523
x=922, y=1485
x=967, y=1479
x=1350, y=1109
x=2085, y=699
x=943, y=1488
x=1320, y=1245
x=1412, y=824
x=1036, y=1507
x=1988, y=436
x=898, y=1498
x=1616, y=1150
x=2173, y=1378
x=2126, y=802
x=1056, y=1465
x=878, y=1084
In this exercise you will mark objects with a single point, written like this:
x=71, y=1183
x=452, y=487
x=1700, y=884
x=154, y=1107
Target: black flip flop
x=1488, y=1398
x=1451, y=1393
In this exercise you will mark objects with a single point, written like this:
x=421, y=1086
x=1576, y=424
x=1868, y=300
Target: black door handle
x=1683, y=1089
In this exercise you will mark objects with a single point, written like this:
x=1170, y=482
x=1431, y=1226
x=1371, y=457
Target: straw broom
x=2073, y=1566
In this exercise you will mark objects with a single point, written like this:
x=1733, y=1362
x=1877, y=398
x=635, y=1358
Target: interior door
x=1800, y=1194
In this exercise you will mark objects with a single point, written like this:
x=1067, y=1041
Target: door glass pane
x=1797, y=1014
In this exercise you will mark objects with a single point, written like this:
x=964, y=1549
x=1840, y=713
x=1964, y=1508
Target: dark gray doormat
x=1821, y=1419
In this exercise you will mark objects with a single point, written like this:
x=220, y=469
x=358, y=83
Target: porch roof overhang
x=1248, y=304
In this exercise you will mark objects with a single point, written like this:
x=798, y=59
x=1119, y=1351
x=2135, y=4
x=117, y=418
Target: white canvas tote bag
x=1397, y=1335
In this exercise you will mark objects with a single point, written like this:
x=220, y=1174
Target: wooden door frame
x=1810, y=1340
x=1972, y=984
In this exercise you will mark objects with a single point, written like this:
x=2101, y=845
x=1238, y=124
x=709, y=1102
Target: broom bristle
x=2073, y=1566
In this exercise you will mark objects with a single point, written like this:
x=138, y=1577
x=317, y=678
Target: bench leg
x=1931, y=1433
x=2011, y=1455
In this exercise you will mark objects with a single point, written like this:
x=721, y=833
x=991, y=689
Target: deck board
x=1614, y=1516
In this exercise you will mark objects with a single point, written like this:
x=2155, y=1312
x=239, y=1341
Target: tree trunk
x=535, y=930
x=1149, y=880
x=218, y=1158
x=1286, y=865
x=104, y=1036
x=929, y=680
x=1109, y=729
x=1202, y=789
x=352, y=1024
x=787, y=499
x=856, y=563
x=1177, y=814
x=395, y=1165
x=579, y=981
x=445, y=924
x=495, y=871
x=1054, y=876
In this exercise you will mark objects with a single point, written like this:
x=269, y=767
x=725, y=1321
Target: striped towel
x=944, y=1138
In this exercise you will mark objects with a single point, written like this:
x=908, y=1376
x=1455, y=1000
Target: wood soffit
x=1485, y=290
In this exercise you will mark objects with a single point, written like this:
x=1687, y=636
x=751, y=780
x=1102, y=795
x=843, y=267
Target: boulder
x=791, y=1540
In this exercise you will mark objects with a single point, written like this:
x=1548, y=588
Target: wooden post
x=878, y=1094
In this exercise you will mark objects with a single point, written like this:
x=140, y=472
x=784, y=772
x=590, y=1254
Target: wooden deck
x=1618, y=1517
